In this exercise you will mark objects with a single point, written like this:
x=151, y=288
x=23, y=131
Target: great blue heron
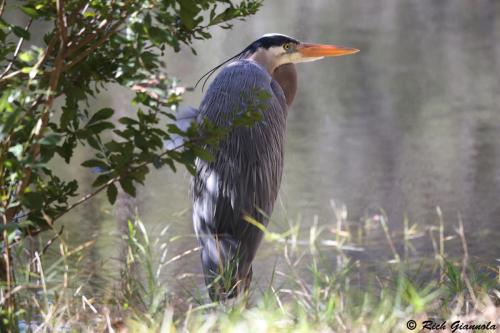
x=244, y=178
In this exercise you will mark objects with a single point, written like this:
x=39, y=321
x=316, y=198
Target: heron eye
x=287, y=46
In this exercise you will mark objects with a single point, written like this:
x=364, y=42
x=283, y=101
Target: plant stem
x=16, y=51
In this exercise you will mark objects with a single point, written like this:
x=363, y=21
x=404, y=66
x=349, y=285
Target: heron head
x=274, y=50
x=281, y=49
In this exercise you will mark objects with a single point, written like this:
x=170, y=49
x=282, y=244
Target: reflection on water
x=410, y=123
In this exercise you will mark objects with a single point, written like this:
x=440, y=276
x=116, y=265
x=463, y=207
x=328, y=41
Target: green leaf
x=171, y=164
x=157, y=162
x=29, y=11
x=94, y=142
x=66, y=150
x=101, y=180
x=94, y=163
x=50, y=140
x=128, y=186
x=13, y=226
x=191, y=169
x=157, y=35
x=113, y=146
x=112, y=192
x=203, y=154
x=141, y=142
x=101, y=115
x=69, y=113
x=26, y=56
x=101, y=126
x=20, y=32
x=127, y=121
x=188, y=11
x=33, y=200
x=17, y=150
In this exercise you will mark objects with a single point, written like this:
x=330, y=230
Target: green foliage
x=88, y=45
x=141, y=285
x=46, y=85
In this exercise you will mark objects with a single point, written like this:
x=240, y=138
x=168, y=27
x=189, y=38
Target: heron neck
x=265, y=60
x=286, y=76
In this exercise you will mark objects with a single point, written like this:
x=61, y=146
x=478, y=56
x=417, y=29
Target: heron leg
x=227, y=270
x=247, y=280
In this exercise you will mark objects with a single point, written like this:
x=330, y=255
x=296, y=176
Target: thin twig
x=183, y=254
x=74, y=15
x=91, y=49
x=383, y=222
x=7, y=77
x=114, y=180
x=17, y=289
x=7, y=269
x=16, y=51
x=88, y=196
x=73, y=48
x=49, y=243
x=2, y=7
x=54, y=77
x=460, y=231
x=61, y=22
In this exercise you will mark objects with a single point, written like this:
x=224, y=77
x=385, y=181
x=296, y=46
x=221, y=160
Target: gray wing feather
x=183, y=119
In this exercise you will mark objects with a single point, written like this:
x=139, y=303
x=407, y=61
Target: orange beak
x=321, y=50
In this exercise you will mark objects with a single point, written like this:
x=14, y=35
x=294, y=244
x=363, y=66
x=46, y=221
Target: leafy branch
x=45, y=89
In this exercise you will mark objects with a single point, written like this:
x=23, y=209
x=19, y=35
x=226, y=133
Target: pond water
x=410, y=123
